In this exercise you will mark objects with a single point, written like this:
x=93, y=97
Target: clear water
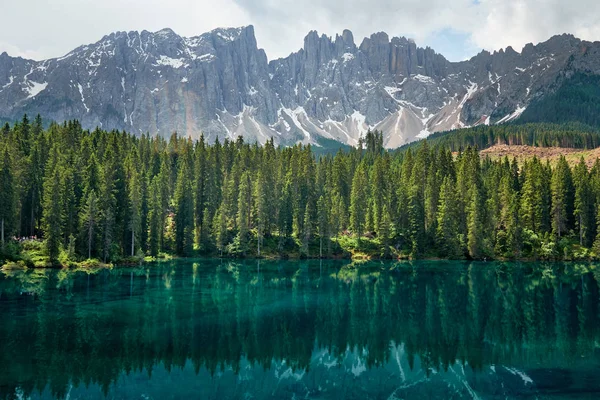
x=291, y=330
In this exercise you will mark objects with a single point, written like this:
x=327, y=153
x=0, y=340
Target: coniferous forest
x=112, y=196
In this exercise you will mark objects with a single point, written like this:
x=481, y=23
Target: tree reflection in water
x=219, y=329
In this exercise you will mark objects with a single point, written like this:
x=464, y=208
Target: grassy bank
x=32, y=254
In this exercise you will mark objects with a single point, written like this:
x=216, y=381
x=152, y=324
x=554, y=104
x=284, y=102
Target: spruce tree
x=89, y=218
x=584, y=208
x=184, y=214
x=262, y=211
x=135, y=204
x=154, y=218
x=358, y=201
x=323, y=223
x=200, y=189
x=447, y=220
x=6, y=197
x=52, y=219
x=220, y=229
x=108, y=205
x=475, y=222
x=243, y=212
x=383, y=233
x=307, y=228
x=562, y=197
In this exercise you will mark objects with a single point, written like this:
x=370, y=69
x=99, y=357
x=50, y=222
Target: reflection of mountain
x=226, y=331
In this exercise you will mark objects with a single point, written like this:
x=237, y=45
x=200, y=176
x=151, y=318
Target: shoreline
x=94, y=264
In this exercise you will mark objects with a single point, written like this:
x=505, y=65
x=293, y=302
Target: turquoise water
x=291, y=330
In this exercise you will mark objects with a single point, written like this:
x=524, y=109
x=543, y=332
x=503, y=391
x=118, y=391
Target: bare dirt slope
x=552, y=154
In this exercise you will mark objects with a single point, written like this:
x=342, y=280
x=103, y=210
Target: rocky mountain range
x=221, y=84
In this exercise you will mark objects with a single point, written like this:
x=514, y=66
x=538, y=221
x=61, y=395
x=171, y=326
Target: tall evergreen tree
x=89, y=218
x=447, y=220
x=358, y=201
x=184, y=215
x=562, y=197
x=243, y=211
x=154, y=218
x=584, y=209
x=135, y=203
x=323, y=222
x=6, y=197
x=262, y=211
x=475, y=225
x=53, y=218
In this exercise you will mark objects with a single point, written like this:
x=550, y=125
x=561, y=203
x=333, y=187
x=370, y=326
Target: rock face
x=222, y=85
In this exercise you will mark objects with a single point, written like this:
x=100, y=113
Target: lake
x=212, y=329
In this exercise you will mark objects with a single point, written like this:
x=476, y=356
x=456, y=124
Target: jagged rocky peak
x=344, y=44
x=166, y=33
x=221, y=84
x=232, y=34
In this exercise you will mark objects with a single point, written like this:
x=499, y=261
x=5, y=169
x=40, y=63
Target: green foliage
x=358, y=201
x=447, y=221
x=117, y=197
x=577, y=99
x=570, y=135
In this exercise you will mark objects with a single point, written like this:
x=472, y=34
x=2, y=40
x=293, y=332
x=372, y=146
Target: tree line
x=568, y=134
x=112, y=195
x=577, y=99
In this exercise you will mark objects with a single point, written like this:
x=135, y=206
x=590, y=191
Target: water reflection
x=217, y=329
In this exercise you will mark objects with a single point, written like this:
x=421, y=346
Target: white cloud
x=42, y=29
x=518, y=22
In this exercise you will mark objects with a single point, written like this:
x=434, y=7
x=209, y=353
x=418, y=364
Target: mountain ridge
x=221, y=84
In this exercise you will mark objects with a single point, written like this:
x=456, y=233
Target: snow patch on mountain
x=34, y=88
x=11, y=79
x=87, y=110
x=347, y=57
x=171, y=62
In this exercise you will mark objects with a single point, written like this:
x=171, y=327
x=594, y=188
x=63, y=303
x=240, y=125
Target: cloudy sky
x=458, y=29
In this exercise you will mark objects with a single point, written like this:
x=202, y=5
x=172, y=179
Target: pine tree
x=323, y=223
x=307, y=228
x=378, y=191
x=164, y=187
x=200, y=189
x=508, y=230
x=108, y=205
x=536, y=197
x=6, y=197
x=91, y=175
x=475, y=242
x=154, y=218
x=447, y=220
x=184, y=214
x=358, y=201
x=89, y=218
x=52, y=219
x=243, y=212
x=383, y=232
x=220, y=228
x=562, y=197
x=69, y=202
x=262, y=211
x=584, y=214
x=135, y=204
x=416, y=211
